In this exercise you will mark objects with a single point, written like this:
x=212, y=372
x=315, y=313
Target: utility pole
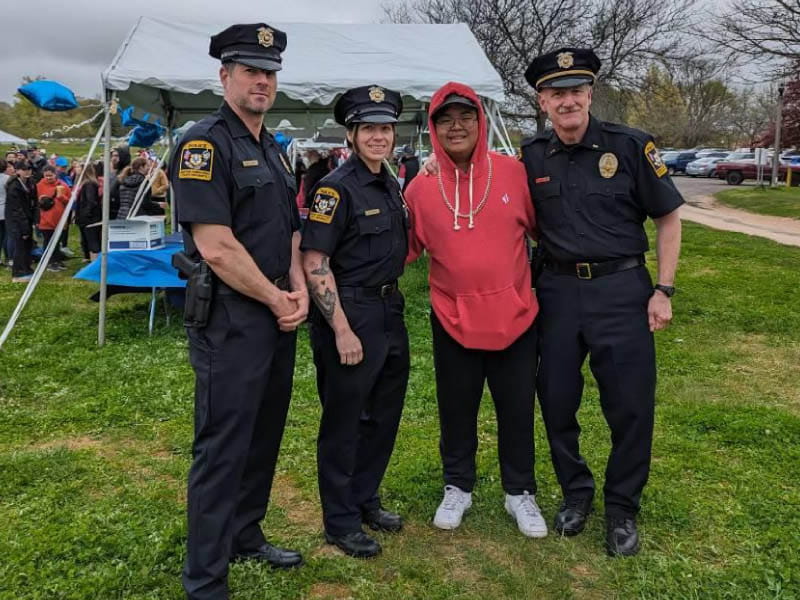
x=777, y=145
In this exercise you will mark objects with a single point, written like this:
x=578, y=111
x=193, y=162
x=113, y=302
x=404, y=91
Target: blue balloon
x=49, y=95
x=144, y=136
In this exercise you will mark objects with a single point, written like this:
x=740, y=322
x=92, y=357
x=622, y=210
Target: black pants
x=57, y=256
x=22, y=264
x=606, y=318
x=4, y=242
x=243, y=381
x=460, y=377
x=361, y=407
x=90, y=240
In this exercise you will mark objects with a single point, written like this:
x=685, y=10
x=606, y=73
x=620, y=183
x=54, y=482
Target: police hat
x=454, y=99
x=565, y=67
x=257, y=45
x=368, y=104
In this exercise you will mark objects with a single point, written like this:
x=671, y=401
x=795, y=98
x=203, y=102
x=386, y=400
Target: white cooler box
x=137, y=233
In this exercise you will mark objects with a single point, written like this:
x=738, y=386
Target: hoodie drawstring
x=471, y=215
x=456, y=226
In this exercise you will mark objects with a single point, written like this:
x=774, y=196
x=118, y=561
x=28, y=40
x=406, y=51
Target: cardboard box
x=137, y=233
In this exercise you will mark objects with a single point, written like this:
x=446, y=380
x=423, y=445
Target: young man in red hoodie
x=473, y=218
x=50, y=186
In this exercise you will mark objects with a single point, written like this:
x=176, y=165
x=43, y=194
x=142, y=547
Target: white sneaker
x=529, y=518
x=454, y=504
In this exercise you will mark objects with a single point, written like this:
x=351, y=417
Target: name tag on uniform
x=542, y=180
x=250, y=163
x=372, y=211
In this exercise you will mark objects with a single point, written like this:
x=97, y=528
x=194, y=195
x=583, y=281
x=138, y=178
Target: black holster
x=199, y=289
x=537, y=258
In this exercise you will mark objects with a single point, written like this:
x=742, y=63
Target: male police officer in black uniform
x=593, y=185
x=235, y=198
x=355, y=243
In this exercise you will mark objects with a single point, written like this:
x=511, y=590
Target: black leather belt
x=381, y=291
x=592, y=270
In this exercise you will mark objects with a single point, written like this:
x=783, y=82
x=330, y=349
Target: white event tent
x=163, y=68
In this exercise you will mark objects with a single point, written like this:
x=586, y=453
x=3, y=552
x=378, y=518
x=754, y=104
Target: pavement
x=701, y=208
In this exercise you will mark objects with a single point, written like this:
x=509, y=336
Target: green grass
x=779, y=201
x=95, y=447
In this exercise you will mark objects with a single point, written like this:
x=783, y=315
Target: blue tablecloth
x=138, y=268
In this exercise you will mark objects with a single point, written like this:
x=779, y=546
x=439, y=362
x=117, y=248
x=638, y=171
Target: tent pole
x=48, y=251
x=101, y=325
x=170, y=151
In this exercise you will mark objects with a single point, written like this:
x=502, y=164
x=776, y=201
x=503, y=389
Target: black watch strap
x=668, y=290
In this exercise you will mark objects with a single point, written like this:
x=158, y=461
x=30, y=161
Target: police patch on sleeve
x=654, y=158
x=325, y=202
x=197, y=159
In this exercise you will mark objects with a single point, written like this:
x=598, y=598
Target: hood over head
x=480, y=153
x=124, y=157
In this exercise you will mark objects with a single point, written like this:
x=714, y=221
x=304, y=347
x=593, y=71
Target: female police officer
x=355, y=242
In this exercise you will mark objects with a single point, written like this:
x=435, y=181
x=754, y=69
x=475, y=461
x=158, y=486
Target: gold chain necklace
x=481, y=204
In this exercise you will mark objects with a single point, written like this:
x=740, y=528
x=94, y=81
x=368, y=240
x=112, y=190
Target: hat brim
x=567, y=82
x=373, y=118
x=453, y=101
x=259, y=63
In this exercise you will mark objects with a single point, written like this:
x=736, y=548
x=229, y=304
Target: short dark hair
x=22, y=165
x=3, y=164
x=48, y=169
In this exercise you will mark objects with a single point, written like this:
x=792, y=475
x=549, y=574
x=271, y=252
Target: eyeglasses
x=464, y=121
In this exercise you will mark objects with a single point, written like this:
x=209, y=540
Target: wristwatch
x=669, y=291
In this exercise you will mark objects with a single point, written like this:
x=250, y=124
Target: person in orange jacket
x=53, y=196
x=473, y=218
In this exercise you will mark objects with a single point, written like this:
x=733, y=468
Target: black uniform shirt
x=221, y=175
x=358, y=219
x=592, y=198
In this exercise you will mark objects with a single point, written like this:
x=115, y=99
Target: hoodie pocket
x=490, y=314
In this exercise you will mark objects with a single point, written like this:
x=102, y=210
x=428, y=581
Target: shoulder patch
x=197, y=158
x=654, y=158
x=324, y=206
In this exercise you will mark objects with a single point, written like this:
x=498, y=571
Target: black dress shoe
x=278, y=558
x=357, y=544
x=571, y=517
x=382, y=520
x=622, y=538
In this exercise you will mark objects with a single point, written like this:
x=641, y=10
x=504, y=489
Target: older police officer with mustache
x=593, y=185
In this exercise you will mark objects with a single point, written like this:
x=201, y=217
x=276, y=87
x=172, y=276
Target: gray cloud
x=73, y=42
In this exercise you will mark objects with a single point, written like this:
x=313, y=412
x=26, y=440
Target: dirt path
x=706, y=211
x=701, y=207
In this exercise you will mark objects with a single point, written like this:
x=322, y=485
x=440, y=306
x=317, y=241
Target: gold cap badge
x=565, y=60
x=608, y=165
x=265, y=37
x=376, y=94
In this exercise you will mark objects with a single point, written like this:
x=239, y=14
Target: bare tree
x=626, y=34
x=764, y=32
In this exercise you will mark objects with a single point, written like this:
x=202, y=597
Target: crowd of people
x=35, y=190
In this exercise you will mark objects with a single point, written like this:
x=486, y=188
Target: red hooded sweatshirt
x=479, y=274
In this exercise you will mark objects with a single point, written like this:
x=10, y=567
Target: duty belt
x=380, y=291
x=592, y=270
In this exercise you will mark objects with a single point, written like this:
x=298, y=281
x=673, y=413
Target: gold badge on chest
x=608, y=165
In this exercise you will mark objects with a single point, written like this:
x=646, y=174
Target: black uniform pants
x=361, y=407
x=22, y=262
x=605, y=317
x=460, y=377
x=243, y=381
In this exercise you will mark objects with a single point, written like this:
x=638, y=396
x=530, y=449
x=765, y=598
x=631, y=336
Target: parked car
x=734, y=172
x=677, y=164
x=704, y=167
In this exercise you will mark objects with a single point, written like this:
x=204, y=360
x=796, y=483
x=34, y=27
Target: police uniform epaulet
x=639, y=135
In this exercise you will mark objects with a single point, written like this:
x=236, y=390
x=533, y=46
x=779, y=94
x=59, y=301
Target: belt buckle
x=583, y=270
x=386, y=289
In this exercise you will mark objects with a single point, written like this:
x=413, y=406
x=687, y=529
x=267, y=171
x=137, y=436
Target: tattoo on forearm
x=322, y=269
x=325, y=299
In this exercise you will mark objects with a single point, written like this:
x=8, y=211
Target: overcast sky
x=73, y=41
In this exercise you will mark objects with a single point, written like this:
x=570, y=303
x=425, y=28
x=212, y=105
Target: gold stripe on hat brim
x=550, y=76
